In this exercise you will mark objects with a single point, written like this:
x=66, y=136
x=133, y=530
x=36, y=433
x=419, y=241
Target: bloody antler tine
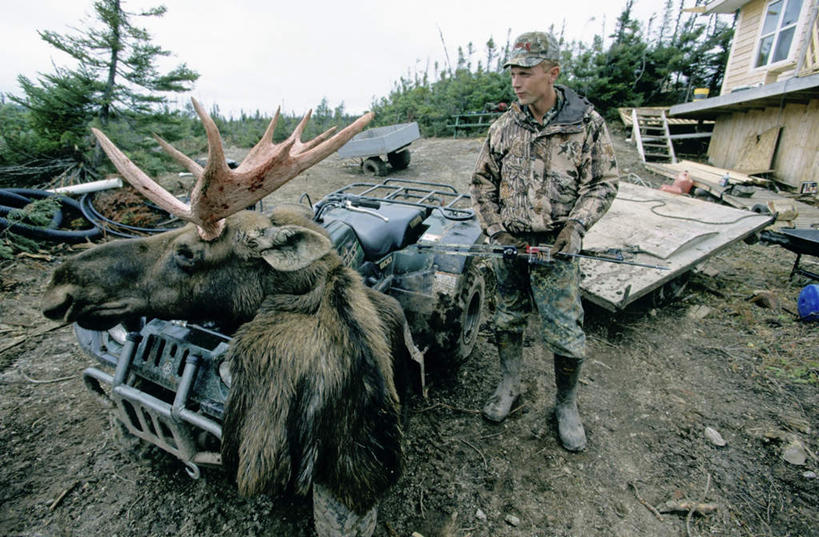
x=144, y=184
x=317, y=140
x=316, y=154
x=268, y=134
x=302, y=124
x=265, y=150
x=216, y=153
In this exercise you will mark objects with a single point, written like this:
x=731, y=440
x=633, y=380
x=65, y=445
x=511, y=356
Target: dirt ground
x=656, y=377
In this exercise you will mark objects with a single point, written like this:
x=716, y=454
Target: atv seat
x=377, y=237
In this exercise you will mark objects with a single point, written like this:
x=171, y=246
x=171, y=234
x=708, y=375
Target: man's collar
x=560, y=100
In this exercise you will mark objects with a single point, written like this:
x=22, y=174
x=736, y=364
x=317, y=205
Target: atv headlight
x=224, y=372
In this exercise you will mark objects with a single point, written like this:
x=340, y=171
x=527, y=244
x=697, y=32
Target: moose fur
x=317, y=359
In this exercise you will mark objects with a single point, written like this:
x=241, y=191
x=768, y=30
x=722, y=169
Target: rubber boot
x=510, y=347
x=569, y=426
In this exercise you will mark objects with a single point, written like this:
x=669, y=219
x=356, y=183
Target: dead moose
x=314, y=402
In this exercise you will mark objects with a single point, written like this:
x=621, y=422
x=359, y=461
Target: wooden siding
x=795, y=159
x=738, y=71
x=809, y=52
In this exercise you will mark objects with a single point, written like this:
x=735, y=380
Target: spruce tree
x=121, y=57
x=116, y=78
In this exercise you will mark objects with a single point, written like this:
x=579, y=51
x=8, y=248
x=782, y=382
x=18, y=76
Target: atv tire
x=459, y=318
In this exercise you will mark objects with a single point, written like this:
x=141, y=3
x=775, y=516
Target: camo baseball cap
x=532, y=48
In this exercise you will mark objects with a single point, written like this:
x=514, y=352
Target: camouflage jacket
x=532, y=178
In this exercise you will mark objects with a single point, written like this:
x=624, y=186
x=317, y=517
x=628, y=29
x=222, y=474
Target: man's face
x=531, y=84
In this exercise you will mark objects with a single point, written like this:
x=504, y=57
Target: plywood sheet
x=654, y=227
x=757, y=151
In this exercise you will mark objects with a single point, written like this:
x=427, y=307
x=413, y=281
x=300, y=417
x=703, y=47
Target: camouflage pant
x=554, y=289
x=333, y=519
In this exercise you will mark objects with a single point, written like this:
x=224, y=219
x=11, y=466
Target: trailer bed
x=656, y=227
x=380, y=140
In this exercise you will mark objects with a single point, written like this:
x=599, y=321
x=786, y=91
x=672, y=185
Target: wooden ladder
x=651, y=135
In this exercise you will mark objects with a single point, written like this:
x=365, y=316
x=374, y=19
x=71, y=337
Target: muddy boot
x=510, y=347
x=567, y=373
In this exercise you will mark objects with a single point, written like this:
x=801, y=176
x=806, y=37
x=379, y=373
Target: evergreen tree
x=116, y=78
x=121, y=57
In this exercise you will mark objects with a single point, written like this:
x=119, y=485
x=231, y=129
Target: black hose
x=18, y=201
x=6, y=196
x=46, y=233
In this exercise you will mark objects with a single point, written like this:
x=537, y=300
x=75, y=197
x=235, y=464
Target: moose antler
x=220, y=191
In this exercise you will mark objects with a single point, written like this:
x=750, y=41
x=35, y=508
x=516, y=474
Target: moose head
x=216, y=267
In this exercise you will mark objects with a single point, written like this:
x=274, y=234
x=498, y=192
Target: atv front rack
x=172, y=361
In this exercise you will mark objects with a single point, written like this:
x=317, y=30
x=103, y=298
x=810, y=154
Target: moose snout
x=57, y=302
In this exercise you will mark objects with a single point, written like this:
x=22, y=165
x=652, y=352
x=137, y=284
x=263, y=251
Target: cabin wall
x=795, y=159
x=738, y=70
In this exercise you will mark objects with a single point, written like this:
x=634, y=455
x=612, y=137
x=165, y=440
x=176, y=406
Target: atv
x=168, y=381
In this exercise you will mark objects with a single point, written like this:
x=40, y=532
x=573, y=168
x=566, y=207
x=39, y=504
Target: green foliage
x=433, y=104
x=60, y=106
x=37, y=213
x=116, y=84
x=121, y=58
x=635, y=69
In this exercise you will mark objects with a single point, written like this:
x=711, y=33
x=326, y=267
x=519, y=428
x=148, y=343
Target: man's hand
x=504, y=238
x=569, y=241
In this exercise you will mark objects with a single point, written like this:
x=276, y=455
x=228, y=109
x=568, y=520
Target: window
x=778, y=30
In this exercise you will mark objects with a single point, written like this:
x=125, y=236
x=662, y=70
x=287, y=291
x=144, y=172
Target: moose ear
x=290, y=248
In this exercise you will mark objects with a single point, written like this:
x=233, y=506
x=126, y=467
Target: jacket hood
x=575, y=108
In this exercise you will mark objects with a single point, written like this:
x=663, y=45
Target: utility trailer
x=391, y=140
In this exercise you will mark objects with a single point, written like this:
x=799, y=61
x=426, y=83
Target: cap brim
x=524, y=61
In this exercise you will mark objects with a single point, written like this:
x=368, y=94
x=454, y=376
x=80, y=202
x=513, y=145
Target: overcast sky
x=254, y=54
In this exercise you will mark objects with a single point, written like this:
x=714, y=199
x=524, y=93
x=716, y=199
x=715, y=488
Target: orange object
x=683, y=182
x=671, y=188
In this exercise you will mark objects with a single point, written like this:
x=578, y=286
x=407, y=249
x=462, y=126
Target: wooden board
x=708, y=177
x=655, y=227
x=757, y=152
x=625, y=116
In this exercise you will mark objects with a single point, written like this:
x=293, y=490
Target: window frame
x=790, y=58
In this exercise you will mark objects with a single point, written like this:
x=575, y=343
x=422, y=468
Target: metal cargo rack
x=429, y=195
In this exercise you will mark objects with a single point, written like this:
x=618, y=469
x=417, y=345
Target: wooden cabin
x=767, y=114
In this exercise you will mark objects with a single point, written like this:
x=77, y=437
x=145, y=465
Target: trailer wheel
x=374, y=166
x=399, y=160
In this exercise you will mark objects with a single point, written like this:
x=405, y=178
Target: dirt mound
x=656, y=378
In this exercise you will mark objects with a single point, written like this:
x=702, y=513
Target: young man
x=545, y=175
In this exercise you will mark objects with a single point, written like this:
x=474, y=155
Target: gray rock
x=795, y=454
x=714, y=437
x=512, y=520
